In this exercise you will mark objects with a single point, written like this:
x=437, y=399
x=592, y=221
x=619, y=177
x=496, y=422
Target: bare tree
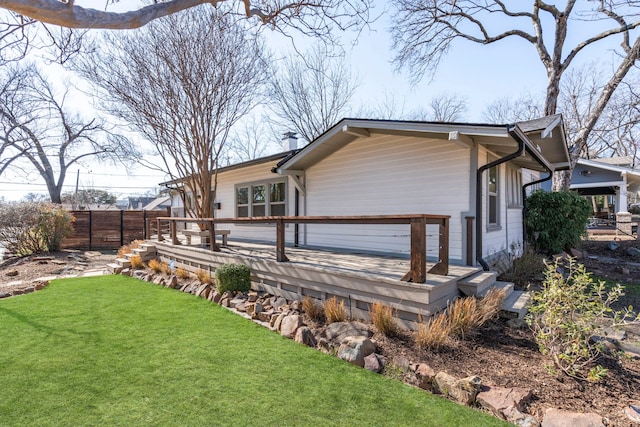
x=182, y=82
x=42, y=131
x=443, y=108
x=317, y=18
x=251, y=141
x=311, y=92
x=510, y=110
x=424, y=31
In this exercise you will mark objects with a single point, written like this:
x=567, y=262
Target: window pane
x=242, y=196
x=243, y=211
x=493, y=210
x=493, y=180
x=277, y=210
x=259, y=194
x=258, y=210
x=276, y=192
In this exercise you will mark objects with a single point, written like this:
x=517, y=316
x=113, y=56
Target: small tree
x=557, y=220
x=27, y=228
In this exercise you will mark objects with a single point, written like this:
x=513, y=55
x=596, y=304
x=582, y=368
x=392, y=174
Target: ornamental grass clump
x=462, y=316
x=155, y=265
x=489, y=306
x=233, y=278
x=166, y=268
x=136, y=262
x=334, y=311
x=565, y=315
x=182, y=273
x=383, y=319
x=313, y=308
x=203, y=276
x=434, y=334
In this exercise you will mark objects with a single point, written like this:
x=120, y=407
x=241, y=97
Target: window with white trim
x=261, y=199
x=493, y=197
x=514, y=188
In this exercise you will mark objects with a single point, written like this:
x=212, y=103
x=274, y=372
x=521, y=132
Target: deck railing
x=418, y=236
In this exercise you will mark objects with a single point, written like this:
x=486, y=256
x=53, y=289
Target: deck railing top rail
x=418, y=238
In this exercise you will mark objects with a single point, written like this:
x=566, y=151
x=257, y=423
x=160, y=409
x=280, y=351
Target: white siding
x=384, y=175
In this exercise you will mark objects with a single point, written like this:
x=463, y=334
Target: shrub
x=203, y=276
x=314, y=309
x=155, y=265
x=565, y=314
x=433, y=334
x=28, y=227
x=334, y=311
x=556, y=220
x=136, y=262
x=182, y=273
x=524, y=269
x=383, y=319
x=233, y=277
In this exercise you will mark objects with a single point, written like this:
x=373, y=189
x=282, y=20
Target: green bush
x=556, y=220
x=233, y=277
x=28, y=227
x=565, y=315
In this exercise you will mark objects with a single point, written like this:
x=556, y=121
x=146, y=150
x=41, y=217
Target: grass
x=112, y=350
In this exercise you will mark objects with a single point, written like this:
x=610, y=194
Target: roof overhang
x=628, y=176
x=545, y=145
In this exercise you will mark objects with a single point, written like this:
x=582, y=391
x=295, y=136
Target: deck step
x=515, y=305
x=506, y=286
x=123, y=262
x=478, y=283
x=114, y=268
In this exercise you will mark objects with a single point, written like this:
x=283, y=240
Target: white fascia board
x=606, y=166
x=548, y=131
x=599, y=184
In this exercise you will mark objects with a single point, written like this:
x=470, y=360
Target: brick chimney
x=290, y=141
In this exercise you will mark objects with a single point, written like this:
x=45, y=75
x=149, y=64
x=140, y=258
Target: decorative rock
x=305, y=336
x=374, y=363
x=126, y=272
x=158, y=280
x=463, y=391
x=11, y=273
x=264, y=316
x=425, y=374
x=40, y=285
x=612, y=246
x=227, y=294
x=273, y=319
x=225, y=302
x=577, y=253
x=290, y=325
x=518, y=418
x=634, y=252
x=402, y=363
x=139, y=274
x=252, y=296
x=623, y=270
x=355, y=349
x=633, y=413
x=172, y=281
x=278, y=323
x=241, y=306
x=498, y=399
x=215, y=297
x=258, y=308
x=325, y=346
x=295, y=305
x=278, y=302
x=4, y=295
x=340, y=330
x=234, y=302
x=517, y=323
x=559, y=418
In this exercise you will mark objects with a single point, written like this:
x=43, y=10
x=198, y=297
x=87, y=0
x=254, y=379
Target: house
x=474, y=173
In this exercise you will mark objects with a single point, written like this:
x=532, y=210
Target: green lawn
x=112, y=350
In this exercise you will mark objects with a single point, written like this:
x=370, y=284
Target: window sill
x=491, y=228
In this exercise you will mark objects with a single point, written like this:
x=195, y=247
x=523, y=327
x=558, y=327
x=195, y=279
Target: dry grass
x=313, y=308
x=126, y=249
x=155, y=265
x=166, y=269
x=433, y=334
x=462, y=315
x=136, y=262
x=334, y=311
x=489, y=306
x=383, y=318
x=203, y=276
x=182, y=273
x=136, y=244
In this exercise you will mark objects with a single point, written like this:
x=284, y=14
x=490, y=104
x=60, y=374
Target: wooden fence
x=109, y=229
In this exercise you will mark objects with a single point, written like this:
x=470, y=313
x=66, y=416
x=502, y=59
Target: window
x=261, y=199
x=514, y=188
x=493, y=202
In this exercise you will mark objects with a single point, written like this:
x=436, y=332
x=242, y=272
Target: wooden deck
x=357, y=278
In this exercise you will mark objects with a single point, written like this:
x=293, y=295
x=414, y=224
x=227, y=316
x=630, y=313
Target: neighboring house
x=138, y=203
x=385, y=167
x=159, y=203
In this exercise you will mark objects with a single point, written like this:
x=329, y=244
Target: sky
x=480, y=74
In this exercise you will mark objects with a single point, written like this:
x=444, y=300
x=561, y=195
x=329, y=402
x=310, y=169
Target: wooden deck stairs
x=146, y=251
x=515, y=303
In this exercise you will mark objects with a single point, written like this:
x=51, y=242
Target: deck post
x=442, y=266
x=418, y=271
x=280, y=255
x=212, y=237
x=173, y=229
x=469, y=231
x=160, y=238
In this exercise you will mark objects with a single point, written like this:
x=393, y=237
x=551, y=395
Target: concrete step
x=506, y=286
x=124, y=262
x=515, y=305
x=114, y=268
x=478, y=283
